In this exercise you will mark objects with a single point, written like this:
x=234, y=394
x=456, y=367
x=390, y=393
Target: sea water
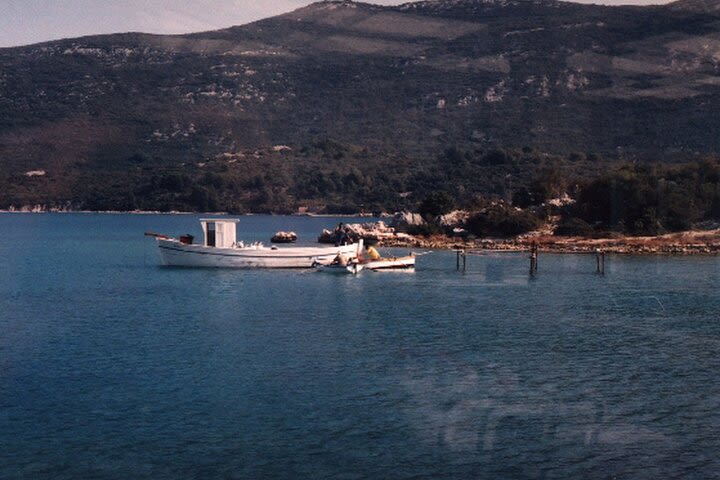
x=114, y=367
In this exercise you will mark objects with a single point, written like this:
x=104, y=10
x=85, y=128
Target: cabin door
x=220, y=235
x=210, y=234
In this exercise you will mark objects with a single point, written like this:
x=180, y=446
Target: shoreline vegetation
x=635, y=209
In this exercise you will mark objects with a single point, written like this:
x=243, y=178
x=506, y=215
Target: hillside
x=349, y=89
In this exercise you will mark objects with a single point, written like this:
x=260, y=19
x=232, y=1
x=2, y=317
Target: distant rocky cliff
x=410, y=81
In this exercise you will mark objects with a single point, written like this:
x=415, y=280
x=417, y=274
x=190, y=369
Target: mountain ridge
x=402, y=84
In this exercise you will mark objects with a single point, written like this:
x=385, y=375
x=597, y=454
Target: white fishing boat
x=220, y=248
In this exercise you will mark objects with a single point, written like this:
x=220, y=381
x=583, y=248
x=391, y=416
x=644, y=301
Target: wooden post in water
x=461, y=254
x=533, y=259
x=600, y=260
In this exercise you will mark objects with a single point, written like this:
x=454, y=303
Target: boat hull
x=352, y=269
x=396, y=263
x=176, y=254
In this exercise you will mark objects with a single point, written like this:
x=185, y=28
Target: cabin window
x=210, y=234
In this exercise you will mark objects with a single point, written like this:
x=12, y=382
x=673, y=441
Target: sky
x=23, y=22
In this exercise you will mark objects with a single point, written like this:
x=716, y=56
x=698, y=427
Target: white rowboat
x=391, y=263
x=352, y=268
x=381, y=265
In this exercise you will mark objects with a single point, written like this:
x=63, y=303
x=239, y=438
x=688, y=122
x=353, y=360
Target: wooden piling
x=600, y=261
x=461, y=255
x=533, y=259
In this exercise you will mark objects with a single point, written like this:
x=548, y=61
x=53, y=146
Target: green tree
x=435, y=204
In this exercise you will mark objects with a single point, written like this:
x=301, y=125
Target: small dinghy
x=391, y=263
x=341, y=263
x=351, y=268
x=405, y=263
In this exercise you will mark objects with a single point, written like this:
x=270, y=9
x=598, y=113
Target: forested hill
x=304, y=108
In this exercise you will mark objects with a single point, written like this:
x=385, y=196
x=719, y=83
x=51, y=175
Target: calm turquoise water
x=113, y=367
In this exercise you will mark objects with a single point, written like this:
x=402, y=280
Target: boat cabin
x=219, y=232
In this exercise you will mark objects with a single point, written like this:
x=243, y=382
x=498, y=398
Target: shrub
x=436, y=204
x=424, y=229
x=501, y=220
x=574, y=227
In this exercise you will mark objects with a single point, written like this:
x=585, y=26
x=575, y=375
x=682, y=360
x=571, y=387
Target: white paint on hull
x=396, y=263
x=176, y=254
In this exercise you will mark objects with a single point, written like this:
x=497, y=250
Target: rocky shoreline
x=624, y=246
x=695, y=242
